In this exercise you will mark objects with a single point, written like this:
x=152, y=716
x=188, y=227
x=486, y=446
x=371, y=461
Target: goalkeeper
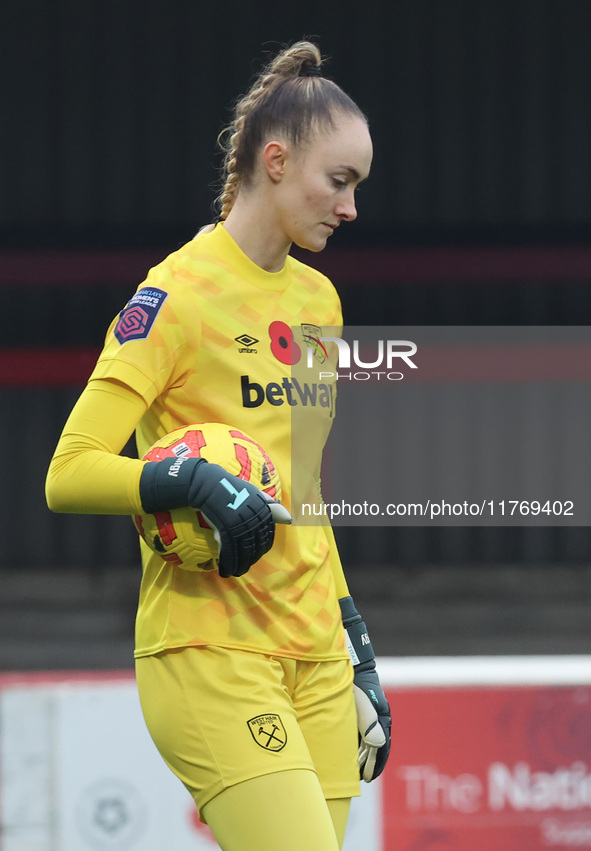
x=257, y=681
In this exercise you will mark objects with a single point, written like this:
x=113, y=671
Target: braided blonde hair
x=289, y=96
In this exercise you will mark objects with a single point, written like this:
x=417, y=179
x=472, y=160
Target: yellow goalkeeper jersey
x=207, y=338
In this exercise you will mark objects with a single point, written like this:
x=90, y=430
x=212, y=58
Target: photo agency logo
x=386, y=355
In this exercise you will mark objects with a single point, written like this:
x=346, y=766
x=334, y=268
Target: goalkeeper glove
x=243, y=517
x=373, y=712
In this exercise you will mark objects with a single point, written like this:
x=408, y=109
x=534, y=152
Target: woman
x=244, y=675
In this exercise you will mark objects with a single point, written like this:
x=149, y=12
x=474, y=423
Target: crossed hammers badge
x=268, y=732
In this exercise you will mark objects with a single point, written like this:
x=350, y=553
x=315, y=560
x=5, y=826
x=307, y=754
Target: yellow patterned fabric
x=207, y=339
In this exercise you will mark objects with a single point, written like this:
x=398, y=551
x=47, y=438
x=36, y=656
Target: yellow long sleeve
x=87, y=475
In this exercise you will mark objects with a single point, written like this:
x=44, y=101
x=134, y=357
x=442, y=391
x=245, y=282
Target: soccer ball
x=183, y=536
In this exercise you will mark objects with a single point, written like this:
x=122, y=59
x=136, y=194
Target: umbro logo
x=246, y=342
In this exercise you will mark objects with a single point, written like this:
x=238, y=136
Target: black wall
x=480, y=112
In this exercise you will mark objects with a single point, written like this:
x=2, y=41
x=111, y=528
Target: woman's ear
x=274, y=157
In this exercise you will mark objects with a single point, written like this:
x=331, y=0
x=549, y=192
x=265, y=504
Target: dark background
x=476, y=212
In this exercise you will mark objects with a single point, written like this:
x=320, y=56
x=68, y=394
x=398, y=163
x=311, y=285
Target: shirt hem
x=264, y=651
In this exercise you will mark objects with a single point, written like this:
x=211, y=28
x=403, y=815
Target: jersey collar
x=223, y=242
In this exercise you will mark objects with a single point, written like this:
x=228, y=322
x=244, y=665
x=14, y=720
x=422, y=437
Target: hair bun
x=309, y=70
x=302, y=59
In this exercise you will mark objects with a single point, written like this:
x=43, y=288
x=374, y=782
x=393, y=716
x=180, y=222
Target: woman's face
x=317, y=187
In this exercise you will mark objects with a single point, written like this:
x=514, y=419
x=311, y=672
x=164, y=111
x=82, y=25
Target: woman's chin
x=315, y=244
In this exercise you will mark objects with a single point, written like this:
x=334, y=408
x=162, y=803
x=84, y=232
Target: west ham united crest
x=268, y=732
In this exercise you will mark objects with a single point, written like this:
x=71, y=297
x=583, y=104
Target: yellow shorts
x=219, y=717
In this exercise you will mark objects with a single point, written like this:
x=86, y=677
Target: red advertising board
x=489, y=769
